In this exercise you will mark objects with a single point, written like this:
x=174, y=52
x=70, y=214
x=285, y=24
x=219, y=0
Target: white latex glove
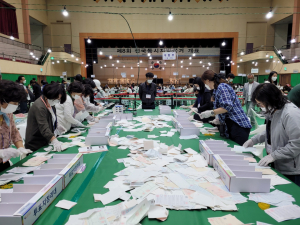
x=266, y=160
x=90, y=118
x=97, y=120
x=23, y=152
x=191, y=118
x=193, y=110
x=8, y=153
x=57, y=145
x=215, y=122
x=80, y=125
x=205, y=114
x=248, y=144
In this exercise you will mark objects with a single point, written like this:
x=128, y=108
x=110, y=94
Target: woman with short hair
x=42, y=126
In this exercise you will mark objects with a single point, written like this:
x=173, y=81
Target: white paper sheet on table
x=261, y=223
x=283, y=213
x=189, y=137
x=157, y=212
x=276, y=180
x=65, y=204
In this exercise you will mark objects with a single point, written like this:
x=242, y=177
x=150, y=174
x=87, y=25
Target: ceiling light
x=72, y=55
x=279, y=51
x=253, y=62
x=160, y=42
x=112, y=64
x=148, y=54
x=181, y=61
x=190, y=63
x=12, y=38
x=172, y=64
x=170, y=17
x=141, y=61
x=165, y=63
x=150, y=57
x=242, y=53
x=89, y=40
x=94, y=62
x=233, y=63
x=163, y=68
x=65, y=60
x=76, y=59
x=52, y=62
x=65, y=12
x=100, y=53
x=269, y=14
x=283, y=57
x=81, y=62
x=203, y=66
x=223, y=43
x=274, y=61
x=241, y=60
x=131, y=68
x=101, y=67
x=194, y=54
x=181, y=66
x=278, y=61
x=267, y=55
x=110, y=57
x=207, y=68
x=190, y=58
x=200, y=62
x=293, y=40
x=31, y=53
x=117, y=61
x=57, y=61
x=116, y=67
x=238, y=66
x=33, y=56
x=49, y=50
x=267, y=60
x=104, y=65
x=187, y=68
x=145, y=68
x=227, y=58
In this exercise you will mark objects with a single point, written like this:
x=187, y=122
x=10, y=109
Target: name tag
x=148, y=96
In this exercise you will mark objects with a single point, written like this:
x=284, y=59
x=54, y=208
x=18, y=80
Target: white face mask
x=75, y=96
x=53, y=102
x=149, y=81
x=198, y=88
x=263, y=109
x=9, y=109
x=207, y=87
x=230, y=80
x=24, y=82
x=274, y=78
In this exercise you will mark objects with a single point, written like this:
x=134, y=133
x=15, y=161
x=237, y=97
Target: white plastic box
x=240, y=178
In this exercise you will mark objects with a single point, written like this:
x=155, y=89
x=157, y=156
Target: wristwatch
x=212, y=113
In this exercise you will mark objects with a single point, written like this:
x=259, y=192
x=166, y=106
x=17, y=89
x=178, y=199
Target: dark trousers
x=237, y=133
x=148, y=106
x=23, y=107
x=4, y=166
x=294, y=178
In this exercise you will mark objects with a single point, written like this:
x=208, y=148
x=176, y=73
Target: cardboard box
x=238, y=179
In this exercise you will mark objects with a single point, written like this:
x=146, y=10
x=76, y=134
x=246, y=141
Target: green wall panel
x=261, y=78
x=14, y=77
x=53, y=78
x=295, y=79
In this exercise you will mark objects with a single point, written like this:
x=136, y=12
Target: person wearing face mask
x=234, y=123
x=189, y=90
x=23, y=104
x=203, y=101
x=42, y=126
x=282, y=134
x=249, y=88
x=89, y=107
x=94, y=89
x=10, y=96
x=273, y=77
x=147, y=92
x=65, y=111
x=230, y=78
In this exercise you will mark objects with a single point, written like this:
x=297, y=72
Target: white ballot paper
x=157, y=212
x=282, y=213
x=65, y=204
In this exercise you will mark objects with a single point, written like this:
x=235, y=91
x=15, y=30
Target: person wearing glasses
x=282, y=134
x=42, y=126
x=11, y=94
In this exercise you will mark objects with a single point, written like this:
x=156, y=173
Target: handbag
x=222, y=126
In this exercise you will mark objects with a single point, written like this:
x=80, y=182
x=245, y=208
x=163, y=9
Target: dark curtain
x=8, y=20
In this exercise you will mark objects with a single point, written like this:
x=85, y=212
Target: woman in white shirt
x=90, y=107
x=65, y=112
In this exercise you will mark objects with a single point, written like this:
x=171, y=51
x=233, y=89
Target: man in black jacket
x=147, y=92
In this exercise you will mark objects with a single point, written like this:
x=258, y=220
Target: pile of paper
x=282, y=213
x=36, y=161
x=277, y=198
x=23, y=169
x=276, y=180
x=225, y=220
x=93, y=149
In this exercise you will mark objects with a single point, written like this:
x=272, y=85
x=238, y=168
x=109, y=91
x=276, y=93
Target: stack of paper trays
x=180, y=114
x=99, y=133
x=185, y=127
x=235, y=172
x=164, y=109
x=29, y=200
x=124, y=116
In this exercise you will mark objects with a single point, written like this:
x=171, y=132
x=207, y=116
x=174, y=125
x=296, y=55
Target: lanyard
x=50, y=108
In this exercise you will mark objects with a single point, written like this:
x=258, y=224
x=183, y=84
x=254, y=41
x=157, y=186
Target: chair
x=258, y=128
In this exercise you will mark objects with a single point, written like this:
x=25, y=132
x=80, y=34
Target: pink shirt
x=9, y=133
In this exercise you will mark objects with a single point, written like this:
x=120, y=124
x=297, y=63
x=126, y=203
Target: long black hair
x=270, y=77
x=198, y=81
x=270, y=96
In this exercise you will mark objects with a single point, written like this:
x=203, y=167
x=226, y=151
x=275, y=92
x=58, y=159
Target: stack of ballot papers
x=23, y=169
x=93, y=149
x=276, y=198
x=282, y=213
x=36, y=161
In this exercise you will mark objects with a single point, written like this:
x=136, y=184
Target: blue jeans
x=23, y=107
